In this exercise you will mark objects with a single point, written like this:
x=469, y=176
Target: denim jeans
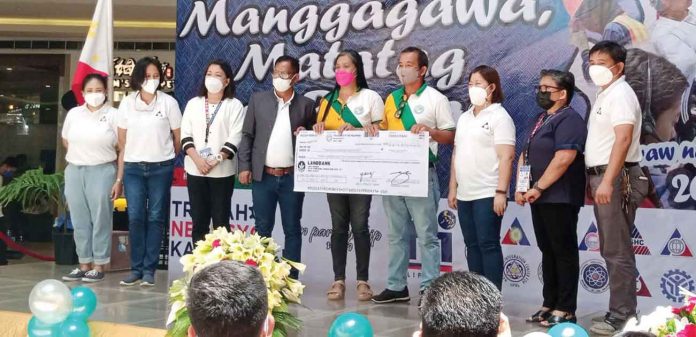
x=403, y=215
x=88, y=192
x=266, y=195
x=147, y=188
x=481, y=229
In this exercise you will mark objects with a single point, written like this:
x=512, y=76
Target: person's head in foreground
x=228, y=299
x=462, y=304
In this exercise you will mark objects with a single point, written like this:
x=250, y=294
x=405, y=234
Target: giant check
x=392, y=163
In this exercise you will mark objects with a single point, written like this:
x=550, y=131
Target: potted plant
x=40, y=194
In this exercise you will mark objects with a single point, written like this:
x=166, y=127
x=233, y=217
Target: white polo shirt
x=280, y=152
x=429, y=107
x=225, y=132
x=476, y=161
x=366, y=105
x=149, y=138
x=92, y=136
x=616, y=105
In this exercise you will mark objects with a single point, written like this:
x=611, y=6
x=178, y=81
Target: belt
x=431, y=164
x=278, y=171
x=597, y=170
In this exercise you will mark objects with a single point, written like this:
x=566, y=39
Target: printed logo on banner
x=672, y=281
x=447, y=219
x=590, y=241
x=516, y=235
x=516, y=270
x=642, y=288
x=639, y=246
x=594, y=276
x=676, y=246
x=445, y=258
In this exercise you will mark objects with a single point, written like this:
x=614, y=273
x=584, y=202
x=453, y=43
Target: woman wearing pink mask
x=350, y=106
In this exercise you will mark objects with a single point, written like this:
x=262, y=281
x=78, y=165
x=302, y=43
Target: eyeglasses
x=284, y=76
x=401, y=107
x=546, y=88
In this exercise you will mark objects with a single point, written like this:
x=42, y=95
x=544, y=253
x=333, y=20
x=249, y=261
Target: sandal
x=539, y=316
x=553, y=320
x=364, y=291
x=337, y=291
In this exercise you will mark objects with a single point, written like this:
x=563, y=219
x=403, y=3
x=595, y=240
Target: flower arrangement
x=669, y=321
x=253, y=250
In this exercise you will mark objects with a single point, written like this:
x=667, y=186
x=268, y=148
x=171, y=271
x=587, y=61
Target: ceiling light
x=85, y=23
x=48, y=85
x=8, y=68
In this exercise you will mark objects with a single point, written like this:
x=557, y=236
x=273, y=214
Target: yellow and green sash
x=408, y=120
x=341, y=110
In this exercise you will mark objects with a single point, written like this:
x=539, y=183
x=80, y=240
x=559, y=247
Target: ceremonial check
x=392, y=163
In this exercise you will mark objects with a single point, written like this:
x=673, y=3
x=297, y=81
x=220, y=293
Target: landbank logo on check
x=391, y=163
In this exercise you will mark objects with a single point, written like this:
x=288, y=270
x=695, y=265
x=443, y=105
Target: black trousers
x=350, y=210
x=555, y=227
x=210, y=199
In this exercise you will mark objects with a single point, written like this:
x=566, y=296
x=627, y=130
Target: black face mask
x=544, y=100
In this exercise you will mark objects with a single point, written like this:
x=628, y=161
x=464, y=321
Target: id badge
x=205, y=152
x=523, y=178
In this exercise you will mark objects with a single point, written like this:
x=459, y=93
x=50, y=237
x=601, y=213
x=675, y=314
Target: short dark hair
x=634, y=334
x=461, y=304
x=10, y=161
x=491, y=76
x=138, y=76
x=229, y=73
x=422, y=56
x=294, y=63
x=616, y=51
x=98, y=77
x=103, y=79
x=563, y=79
x=227, y=299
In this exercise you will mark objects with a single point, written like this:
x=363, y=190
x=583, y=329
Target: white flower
x=176, y=306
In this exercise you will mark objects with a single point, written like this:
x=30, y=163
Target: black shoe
x=75, y=275
x=93, y=276
x=389, y=296
x=609, y=327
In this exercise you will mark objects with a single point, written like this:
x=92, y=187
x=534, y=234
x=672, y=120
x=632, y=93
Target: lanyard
x=543, y=119
x=209, y=119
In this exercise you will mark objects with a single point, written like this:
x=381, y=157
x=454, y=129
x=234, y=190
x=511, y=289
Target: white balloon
x=537, y=334
x=50, y=301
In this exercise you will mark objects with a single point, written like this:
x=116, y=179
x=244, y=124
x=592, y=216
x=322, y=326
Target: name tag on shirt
x=523, y=178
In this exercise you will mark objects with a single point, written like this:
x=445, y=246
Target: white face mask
x=95, y=99
x=407, y=75
x=282, y=85
x=213, y=84
x=601, y=75
x=478, y=95
x=150, y=86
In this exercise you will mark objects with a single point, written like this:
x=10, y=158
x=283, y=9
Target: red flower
x=685, y=310
x=216, y=243
x=251, y=263
x=689, y=331
x=692, y=300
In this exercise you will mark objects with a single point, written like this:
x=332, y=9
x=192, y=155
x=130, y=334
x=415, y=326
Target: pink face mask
x=344, y=78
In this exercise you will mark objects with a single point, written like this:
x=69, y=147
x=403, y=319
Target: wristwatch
x=218, y=157
x=119, y=181
x=536, y=187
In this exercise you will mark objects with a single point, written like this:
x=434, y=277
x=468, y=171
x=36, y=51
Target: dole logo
x=676, y=246
x=590, y=242
x=515, y=235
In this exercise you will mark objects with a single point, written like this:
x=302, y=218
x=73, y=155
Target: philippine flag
x=96, y=56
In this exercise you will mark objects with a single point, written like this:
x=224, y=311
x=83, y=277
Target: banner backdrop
x=518, y=38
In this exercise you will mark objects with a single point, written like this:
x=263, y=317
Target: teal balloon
x=84, y=303
x=351, y=324
x=37, y=328
x=567, y=330
x=73, y=327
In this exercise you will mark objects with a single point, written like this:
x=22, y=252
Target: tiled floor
x=148, y=307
